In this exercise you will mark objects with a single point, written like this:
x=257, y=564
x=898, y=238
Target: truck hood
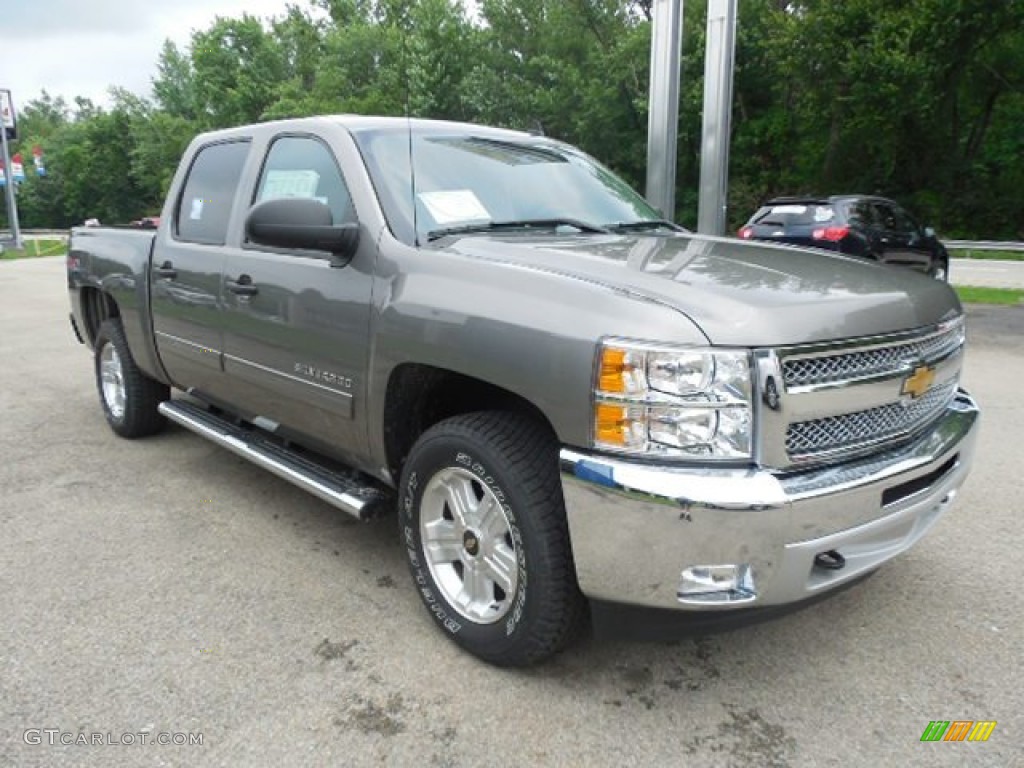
x=738, y=293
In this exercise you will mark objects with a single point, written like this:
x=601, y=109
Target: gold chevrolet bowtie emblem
x=918, y=382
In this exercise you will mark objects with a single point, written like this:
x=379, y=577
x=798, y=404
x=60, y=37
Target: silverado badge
x=918, y=382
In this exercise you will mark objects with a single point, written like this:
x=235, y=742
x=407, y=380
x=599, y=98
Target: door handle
x=166, y=270
x=242, y=287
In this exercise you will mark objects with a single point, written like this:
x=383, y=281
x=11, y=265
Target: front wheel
x=128, y=396
x=483, y=522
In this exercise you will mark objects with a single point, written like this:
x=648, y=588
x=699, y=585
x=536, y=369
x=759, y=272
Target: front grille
x=865, y=363
x=847, y=432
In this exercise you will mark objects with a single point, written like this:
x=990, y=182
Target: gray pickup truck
x=565, y=398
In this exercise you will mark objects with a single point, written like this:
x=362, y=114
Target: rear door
x=918, y=247
x=296, y=323
x=188, y=260
x=898, y=242
x=865, y=230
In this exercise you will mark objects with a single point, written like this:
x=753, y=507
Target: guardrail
x=983, y=245
x=28, y=234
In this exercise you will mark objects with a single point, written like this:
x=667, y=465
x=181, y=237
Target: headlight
x=658, y=400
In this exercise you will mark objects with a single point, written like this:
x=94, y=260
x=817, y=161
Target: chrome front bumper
x=636, y=527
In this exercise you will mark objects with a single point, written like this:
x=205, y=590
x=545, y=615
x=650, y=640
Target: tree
x=237, y=66
x=174, y=85
x=920, y=100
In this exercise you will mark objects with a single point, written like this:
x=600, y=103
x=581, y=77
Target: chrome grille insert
x=865, y=363
x=848, y=432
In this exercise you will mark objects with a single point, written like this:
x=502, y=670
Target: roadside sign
x=7, y=114
x=37, y=160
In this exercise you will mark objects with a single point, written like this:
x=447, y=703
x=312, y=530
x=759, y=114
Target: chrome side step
x=347, y=490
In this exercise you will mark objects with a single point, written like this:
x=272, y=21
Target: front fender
x=531, y=332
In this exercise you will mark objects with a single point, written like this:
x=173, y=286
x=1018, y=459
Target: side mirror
x=300, y=222
x=929, y=232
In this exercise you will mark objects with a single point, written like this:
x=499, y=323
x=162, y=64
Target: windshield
x=464, y=180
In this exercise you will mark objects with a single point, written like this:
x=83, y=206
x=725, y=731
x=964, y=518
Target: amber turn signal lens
x=614, y=368
x=610, y=424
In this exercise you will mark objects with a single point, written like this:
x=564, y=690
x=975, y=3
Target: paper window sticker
x=822, y=213
x=449, y=206
x=789, y=209
x=289, y=184
x=196, y=212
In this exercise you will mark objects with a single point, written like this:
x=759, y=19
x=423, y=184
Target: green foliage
x=35, y=249
x=921, y=100
x=970, y=294
x=901, y=98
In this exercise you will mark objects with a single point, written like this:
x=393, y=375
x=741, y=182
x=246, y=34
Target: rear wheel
x=484, y=526
x=128, y=396
x=941, y=271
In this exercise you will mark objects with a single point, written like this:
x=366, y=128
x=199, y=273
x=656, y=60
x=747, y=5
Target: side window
x=904, y=223
x=205, y=204
x=886, y=216
x=299, y=166
x=862, y=214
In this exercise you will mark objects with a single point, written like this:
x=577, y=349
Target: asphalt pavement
x=165, y=586
x=987, y=273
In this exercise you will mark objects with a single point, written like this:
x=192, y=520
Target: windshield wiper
x=644, y=224
x=495, y=226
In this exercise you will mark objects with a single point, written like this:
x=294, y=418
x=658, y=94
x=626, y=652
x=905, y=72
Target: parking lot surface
x=166, y=587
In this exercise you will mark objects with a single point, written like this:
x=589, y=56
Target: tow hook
x=830, y=560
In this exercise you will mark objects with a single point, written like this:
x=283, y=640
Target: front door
x=296, y=323
x=186, y=272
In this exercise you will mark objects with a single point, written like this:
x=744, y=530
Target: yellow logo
x=918, y=382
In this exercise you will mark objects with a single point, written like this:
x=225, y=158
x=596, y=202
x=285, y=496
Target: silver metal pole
x=12, y=206
x=719, y=63
x=663, y=113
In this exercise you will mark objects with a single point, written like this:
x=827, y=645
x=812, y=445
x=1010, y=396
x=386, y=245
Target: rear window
x=794, y=214
x=209, y=192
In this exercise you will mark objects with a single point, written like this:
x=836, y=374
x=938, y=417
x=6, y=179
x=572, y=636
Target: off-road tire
x=515, y=458
x=139, y=416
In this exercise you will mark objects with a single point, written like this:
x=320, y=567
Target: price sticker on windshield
x=450, y=206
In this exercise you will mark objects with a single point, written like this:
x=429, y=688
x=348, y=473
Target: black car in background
x=859, y=225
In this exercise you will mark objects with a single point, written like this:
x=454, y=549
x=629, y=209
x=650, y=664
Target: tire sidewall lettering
x=442, y=612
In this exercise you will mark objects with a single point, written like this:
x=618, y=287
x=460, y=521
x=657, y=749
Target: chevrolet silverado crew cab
x=563, y=397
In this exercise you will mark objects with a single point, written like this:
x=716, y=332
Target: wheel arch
x=97, y=307
x=418, y=396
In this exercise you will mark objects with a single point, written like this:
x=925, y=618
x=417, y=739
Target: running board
x=347, y=490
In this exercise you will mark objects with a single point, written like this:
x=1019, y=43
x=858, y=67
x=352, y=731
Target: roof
x=822, y=200
x=364, y=123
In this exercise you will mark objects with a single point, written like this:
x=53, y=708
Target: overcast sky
x=81, y=47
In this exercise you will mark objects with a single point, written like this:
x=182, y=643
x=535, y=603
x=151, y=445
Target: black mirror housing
x=300, y=222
